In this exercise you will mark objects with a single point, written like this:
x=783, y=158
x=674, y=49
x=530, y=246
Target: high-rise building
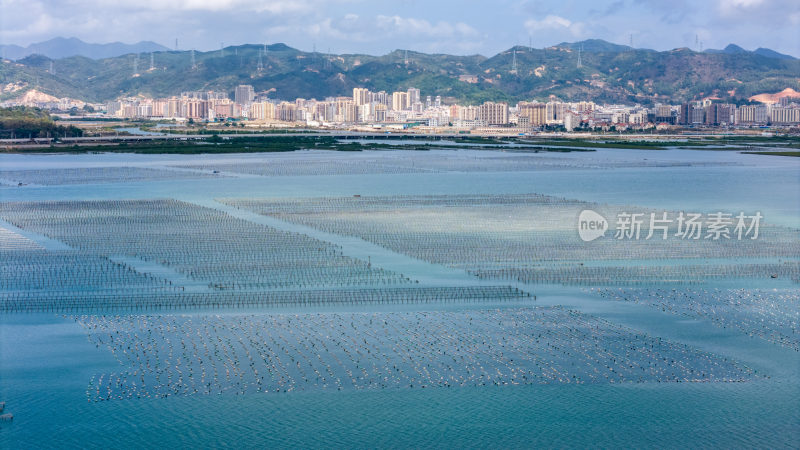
x=752, y=114
x=113, y=108
x=380, y=112
x=492, y=113
x=346, y=110
x=663, y=114
x=683, y=114
x=696, y=113
x=325, y=111
x=225, y=108
x=287, y=112
x=399, y=101
x=173, y=107
x=725, y=114
x=784, y=115
x=711, y=114
x=555, y=112
x=535, y=112
x=413, y=96
x=196, y=109
x=244, y=94
x=380, y=97
x=571, y=121
x=361, y=96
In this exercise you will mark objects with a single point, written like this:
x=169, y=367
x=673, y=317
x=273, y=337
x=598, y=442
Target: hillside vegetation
x=608, y=73
x=23, y=122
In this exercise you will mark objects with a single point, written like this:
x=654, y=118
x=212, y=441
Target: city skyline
x=377, y=28
x=411, y=108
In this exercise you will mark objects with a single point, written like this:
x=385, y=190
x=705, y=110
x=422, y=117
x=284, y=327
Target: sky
x=432, y=26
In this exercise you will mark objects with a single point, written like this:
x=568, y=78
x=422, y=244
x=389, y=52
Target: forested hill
x=606, y=73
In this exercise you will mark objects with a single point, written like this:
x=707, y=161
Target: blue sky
x=377, y=27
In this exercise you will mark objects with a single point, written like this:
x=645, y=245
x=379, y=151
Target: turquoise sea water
x=46, y=360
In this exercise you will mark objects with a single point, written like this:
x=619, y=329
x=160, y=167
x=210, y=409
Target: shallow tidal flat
x=532, y=238
x=189, y=256
x=95, y=175
x=168, y=355
x=385, y=299
x=771, y=314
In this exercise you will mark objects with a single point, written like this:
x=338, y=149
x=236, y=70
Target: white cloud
x=270, y=6
x=441, y=29
x=728, y=8
x=354, y=28
x=741, y=3
x=556, y=24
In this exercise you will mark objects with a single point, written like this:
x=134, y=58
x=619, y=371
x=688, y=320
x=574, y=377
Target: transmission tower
x=52, y=69
x=152, y=62
x=514, y=62
x=580, y=63
x=136, y=64
x=194, y=64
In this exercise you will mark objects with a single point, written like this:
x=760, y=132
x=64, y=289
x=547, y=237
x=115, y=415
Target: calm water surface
x=46, y=359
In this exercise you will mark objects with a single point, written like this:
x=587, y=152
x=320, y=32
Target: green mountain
x=607, y=73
